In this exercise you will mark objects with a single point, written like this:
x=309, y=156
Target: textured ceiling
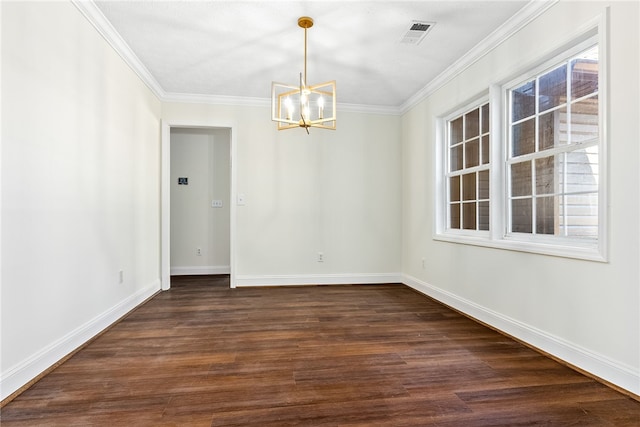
x=237, y=48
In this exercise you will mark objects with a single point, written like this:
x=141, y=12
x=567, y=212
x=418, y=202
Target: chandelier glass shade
x=304, y=105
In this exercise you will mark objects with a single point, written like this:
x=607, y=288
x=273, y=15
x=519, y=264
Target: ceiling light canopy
x=304, y=105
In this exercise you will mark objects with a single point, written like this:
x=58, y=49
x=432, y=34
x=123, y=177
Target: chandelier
x=304, y=105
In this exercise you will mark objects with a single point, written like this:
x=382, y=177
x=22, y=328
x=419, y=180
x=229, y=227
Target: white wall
x=80, y=187
x=202, y=156
x=585, y=312
x=336, y=192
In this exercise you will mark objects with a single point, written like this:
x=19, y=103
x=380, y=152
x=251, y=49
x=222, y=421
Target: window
x=524, y=169
x=468, y=170
x=552, y=164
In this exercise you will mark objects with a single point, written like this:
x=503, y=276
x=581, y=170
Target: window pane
x=523, y=101
x=472, y=155
x=584, y=74
x=523, y=138
x=580, y=216
x=485, y=119
x=579, y=172
x=469, y=216
x=485, y=150
x=545, y=215
x=483, y=215
x=454, y=216
x=456, y=158
x=469, y=186
x=454, y=189
x=472, y=124
x=551, y=165
x=468, y=143
x=584, y=120
x=552, y=129
x=483, y=185
x=521, y=179
x=545, y=174
x=552, y=89
x=456, y=131
x=521, y=216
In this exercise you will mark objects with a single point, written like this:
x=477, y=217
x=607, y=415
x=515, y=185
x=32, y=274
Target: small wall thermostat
x=183, y=181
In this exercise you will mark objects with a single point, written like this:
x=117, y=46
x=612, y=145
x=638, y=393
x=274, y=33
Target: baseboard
x=200, y=270
x=20, y=375
x=619, y=375
x=317, y=279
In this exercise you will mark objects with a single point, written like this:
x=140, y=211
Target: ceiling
x=237, y=48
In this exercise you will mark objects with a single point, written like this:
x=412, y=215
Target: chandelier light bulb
x=289, y=106
x=285, y=97
x=321, y=108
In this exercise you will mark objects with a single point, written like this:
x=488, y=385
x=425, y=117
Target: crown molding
x=527, y=14
x=192, y=98
x=95, y=16
x=524, y=16
x=369, y=109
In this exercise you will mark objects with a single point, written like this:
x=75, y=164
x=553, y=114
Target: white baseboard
x=317, y=279
x=609, y=370
x=621, y=375
x=199, y=270
x=21, y=374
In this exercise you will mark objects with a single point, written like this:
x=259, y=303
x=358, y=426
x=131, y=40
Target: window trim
x=464, y=170
x=441, y=167
x=594, y=33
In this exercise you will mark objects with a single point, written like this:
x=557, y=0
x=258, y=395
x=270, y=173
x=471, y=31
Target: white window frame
x=476, y=104
x=441, y=168
x=498, y=237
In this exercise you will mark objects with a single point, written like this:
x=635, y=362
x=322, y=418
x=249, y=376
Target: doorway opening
x=198, y=187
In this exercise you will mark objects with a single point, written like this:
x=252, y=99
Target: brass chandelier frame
x=292, y=106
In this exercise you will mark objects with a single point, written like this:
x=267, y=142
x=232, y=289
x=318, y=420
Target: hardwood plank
x=206, y=355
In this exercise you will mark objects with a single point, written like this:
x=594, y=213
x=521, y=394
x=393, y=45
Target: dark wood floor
x=203, y=354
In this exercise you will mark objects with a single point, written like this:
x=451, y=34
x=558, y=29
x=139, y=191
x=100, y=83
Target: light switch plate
x=241, y=200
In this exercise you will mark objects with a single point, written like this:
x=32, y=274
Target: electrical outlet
x=121, y=276
x=320, y=257
x=424, y=263
x=198, y=252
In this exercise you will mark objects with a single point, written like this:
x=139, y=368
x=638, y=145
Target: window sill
x=582, y=251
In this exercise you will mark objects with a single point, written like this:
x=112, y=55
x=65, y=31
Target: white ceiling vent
x=416, y=32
